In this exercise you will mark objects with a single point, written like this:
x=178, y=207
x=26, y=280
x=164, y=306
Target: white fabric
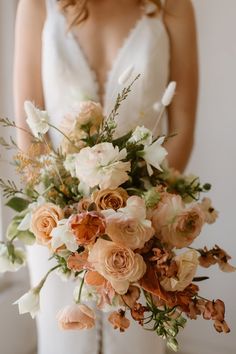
x=67, y=79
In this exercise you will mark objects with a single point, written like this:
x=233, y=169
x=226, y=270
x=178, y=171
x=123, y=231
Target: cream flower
x=101, y=166
x=6, y=263
x=29, y=302
x=69, y=164
x=187, y=265
x=154, y=155
x=62, y=235
x=37, y=120
x=141, y=135
x=128, y=226
x=119, y=265
x=76, y=317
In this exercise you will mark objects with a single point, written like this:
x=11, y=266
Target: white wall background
x=17, y=333
x=213, y=158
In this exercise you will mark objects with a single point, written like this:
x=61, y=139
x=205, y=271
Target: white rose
x=37, y=120
x=6, y=263
x=62, y=235
x=141, y=135
x=29, y=302
x=101, y=165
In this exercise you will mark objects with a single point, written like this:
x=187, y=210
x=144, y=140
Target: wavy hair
x=79, y=10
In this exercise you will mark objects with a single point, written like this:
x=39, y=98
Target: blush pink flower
x=119, y=265
x=76, y=317
x=128, y=226
x=176, y=225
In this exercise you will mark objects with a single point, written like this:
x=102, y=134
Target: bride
x=72, y=50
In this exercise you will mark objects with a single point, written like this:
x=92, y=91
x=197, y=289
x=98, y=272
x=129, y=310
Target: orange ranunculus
x=76, y=317
x=44, y=219
x=87, y=226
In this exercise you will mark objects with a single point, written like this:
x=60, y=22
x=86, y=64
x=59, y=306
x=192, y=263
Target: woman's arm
x=180, y=22
x=27, y=62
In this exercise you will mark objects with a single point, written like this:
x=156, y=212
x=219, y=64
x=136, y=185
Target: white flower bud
x=37, y=120
x=169, y=94
x=29, y=302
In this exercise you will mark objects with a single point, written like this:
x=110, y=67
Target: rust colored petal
x=131, y=297
x=77, y=261
x=221, y=326
x=119, y=321
x=93, y=278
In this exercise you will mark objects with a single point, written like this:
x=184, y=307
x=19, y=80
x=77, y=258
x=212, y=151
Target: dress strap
x=51, y=5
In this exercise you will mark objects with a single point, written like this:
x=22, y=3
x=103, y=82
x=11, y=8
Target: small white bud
x=169, y=94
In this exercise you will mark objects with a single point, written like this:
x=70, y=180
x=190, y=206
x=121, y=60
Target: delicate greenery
x=9, y=188
x=165, y=322
x=12, y=145
x=109, y=124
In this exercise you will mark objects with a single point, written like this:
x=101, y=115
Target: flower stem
x=61, y=132
x=42, y=282
x=80, y=289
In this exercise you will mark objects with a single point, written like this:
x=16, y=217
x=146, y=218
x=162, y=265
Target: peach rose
x=128, y=226
x=44, y=219
x=187, y=265
x=119, y=321
x=88, y=112
x=119, y=265
x=87, y=226
x=129, y=232
x=76, y=317
x=110, y=198
x=176, y=225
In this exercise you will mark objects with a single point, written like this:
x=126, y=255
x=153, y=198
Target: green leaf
x=17, y=204
x=12, y=229
x=26, y=237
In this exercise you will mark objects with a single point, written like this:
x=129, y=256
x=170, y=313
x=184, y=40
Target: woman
x=68, y=51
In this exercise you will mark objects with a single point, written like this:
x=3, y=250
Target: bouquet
x=116, y=220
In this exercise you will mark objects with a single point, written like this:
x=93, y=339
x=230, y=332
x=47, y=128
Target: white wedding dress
x=67, y=80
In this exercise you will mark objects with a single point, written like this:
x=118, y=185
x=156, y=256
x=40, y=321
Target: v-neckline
x=92, y=73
